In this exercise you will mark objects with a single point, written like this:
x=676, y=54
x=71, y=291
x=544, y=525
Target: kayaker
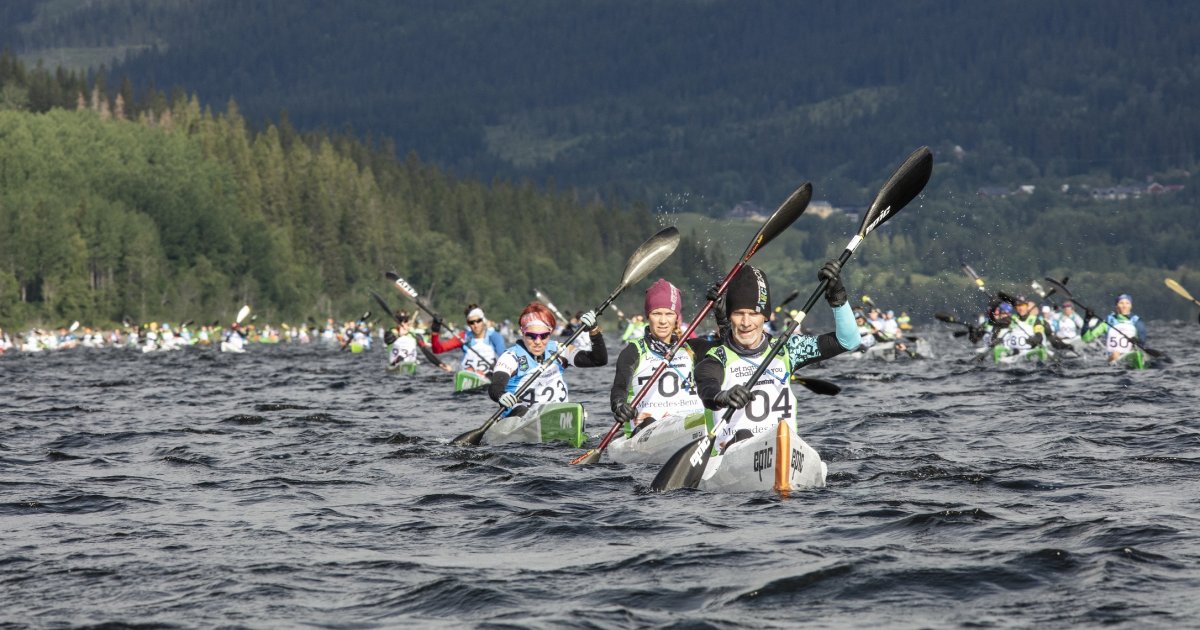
x=583, y=342
x=634, y=329
x=519, y=362
x=866, y=332
x=1117, y=329
x=1068, y=324
x=481, y=344
x=722, y=372
x=404, y=345
x=675, y=391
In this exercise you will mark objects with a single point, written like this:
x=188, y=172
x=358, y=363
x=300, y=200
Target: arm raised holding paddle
x=763, y=397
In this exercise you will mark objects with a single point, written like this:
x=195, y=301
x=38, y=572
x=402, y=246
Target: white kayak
x=548, y=422
x=228, y=347
x=656, y=442
x=887, y=351
x=775, y=460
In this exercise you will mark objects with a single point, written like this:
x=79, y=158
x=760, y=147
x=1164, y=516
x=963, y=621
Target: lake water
x=294, y=486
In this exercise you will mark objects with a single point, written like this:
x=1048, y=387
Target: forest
x=645, y=101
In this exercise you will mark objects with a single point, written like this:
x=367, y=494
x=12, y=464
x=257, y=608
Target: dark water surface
x=296, y=486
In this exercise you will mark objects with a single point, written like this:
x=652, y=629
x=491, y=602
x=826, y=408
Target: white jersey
x=674, y=393
x=404, y=350
x=1117, y=342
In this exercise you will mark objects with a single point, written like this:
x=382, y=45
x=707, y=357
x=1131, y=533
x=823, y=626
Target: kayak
x=466, y=379
x=1004, y=356
x=228, y=347
x=547, y=422
x=408, y=368
x=654, y=443
x=1134, y=359
x=887, y=351
x=774, y=460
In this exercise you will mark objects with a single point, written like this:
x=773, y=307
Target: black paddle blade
x=944, y=317
x=787, y=300
x=685, y=468
x=649, y=255
x=818, y=386
x=1006, y=297
x=905, y=184
x=470, y=438
x=403, y=286
x=783, y=217
x=1060, y=286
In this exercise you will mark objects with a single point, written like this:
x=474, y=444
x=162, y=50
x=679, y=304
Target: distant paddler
x=481, y=344
x=404, y=344
x=521, y=361
x=235, y=339
x=1123, y=331
x=674, y=393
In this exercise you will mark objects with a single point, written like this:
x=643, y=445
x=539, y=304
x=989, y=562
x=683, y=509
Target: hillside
x=718, y=100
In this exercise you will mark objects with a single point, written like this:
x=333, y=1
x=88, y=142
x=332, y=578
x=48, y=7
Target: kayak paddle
x=648, y=256
x=974, y=277
x=554, y=309
x=1178, y=288
x=1158, y=354
x=783, y=217
x=685, y=468
x=350, y=335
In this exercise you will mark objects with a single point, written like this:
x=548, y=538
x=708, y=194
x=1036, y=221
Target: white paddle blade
x=242, y=313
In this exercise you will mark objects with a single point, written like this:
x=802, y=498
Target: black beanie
x=748, y=289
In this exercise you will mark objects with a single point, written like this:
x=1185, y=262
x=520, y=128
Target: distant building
x=821, y=209
x=748, y=210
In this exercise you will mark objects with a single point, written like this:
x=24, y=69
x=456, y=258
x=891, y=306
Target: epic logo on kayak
x=797, y=461
x=763, y=459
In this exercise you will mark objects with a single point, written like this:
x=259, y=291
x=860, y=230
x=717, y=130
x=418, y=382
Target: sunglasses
x=536, y=336
x=472, y=322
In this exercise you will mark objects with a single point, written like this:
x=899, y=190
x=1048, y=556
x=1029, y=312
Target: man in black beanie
x=722, y=374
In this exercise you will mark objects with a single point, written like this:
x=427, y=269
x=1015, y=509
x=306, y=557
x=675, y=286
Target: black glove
x=835, y=292
x=389, y=337
x=714, y=293
x=1089, y=315
x=1035, y=340
x=436, y=326
x=718, y=299
x=736, y=397
x=624, y=412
